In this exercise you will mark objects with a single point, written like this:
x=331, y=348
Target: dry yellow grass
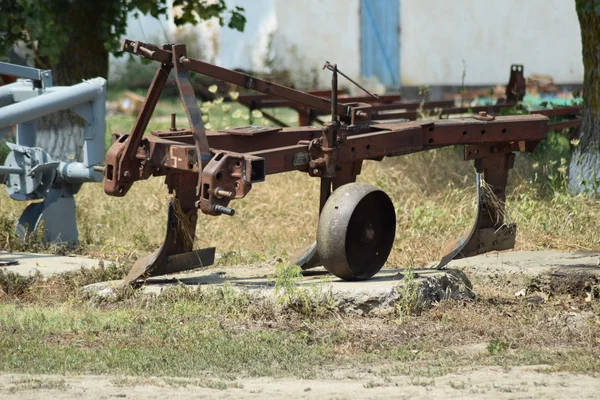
x=433, y=192
x=434, y=195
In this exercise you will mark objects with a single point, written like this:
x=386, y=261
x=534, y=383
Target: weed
x=496, y=346
x=408, y=296
x=129, y=381
x=286, y=279
x=509, y=389
x=314, y=299
x=415, y=381
x=33, y=242
x=424, y=91
x=373, y=384
x=458, y=385
x=208, y=383
x=37, y=383
x=58, y=287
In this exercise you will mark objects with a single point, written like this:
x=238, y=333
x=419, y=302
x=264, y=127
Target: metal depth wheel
x=356, y=231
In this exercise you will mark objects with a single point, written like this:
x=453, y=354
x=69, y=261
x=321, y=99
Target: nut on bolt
x=483, y=116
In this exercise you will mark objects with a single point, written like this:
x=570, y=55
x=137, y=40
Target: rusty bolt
x=317, y=163
x=173, y=122
x=361, y=114
x=219, y=209
x=127, y=174
x=317, y=172
x=483, y=116
x=220, y=193
x=184, y=60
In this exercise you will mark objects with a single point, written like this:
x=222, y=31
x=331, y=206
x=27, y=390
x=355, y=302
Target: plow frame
x=206, y=170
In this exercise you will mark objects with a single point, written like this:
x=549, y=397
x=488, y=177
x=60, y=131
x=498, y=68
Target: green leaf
x=16, y=29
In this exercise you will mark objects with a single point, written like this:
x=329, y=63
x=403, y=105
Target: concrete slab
x=534, y=271
x=379, y=295
x=518, y=271
x=47, y=264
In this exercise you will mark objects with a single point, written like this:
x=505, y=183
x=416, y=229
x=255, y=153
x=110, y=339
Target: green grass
x=180, y=339
x=49, y=326
x=216, y=115
x=192, y=335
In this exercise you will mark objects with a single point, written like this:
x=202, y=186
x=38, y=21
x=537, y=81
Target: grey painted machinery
x=29, y=172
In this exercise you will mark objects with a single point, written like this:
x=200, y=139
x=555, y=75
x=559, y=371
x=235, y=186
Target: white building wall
x=436, y=36
x=248, y=50
x=310, y=32
x=489, y=35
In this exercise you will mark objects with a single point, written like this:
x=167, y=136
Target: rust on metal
x=207, y=170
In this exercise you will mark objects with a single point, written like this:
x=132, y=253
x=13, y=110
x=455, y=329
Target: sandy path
x=486, y=383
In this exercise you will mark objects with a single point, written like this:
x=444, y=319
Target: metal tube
x=6, y=93
x=64, y=99
x=76, y=172
x=21, y=71
x=10, y=170
x=334, y=97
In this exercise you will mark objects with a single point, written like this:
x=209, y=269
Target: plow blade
x=174, y=255
x=481, y=238
x=155, y=265
x=308, y=258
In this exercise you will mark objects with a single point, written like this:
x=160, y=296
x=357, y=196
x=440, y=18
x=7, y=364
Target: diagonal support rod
x=190, y=104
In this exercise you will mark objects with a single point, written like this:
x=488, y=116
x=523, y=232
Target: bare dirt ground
x=484, y=383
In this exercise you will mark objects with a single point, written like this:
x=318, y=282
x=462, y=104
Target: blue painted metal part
x=30, y=172
x=380, y=40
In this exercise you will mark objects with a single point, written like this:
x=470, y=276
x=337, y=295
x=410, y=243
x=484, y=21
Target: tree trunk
x=584, y=171
x=84, y=57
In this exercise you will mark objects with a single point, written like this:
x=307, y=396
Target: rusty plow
x=205, y=171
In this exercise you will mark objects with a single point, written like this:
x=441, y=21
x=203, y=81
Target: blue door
x=380, y=40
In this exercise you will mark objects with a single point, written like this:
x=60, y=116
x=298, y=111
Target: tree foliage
x=46, y=28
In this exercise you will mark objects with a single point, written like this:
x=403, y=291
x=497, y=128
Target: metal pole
x=10, y=170
x=6, y=93
x=334, y=87
x=50, y=103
